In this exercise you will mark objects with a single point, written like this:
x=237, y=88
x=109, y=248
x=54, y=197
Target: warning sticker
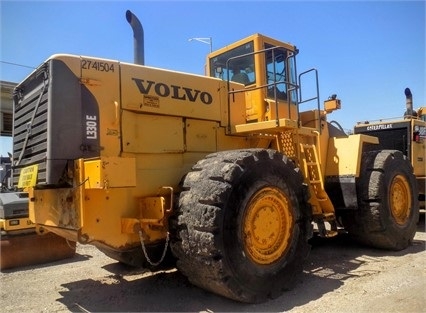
x=28, y=176
x=151, y=101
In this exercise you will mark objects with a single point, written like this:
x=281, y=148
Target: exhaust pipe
x=137, y=36
x=409, y=103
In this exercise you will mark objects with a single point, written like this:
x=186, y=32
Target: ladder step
x=315, y=181
x=313, y=172
x=322, y=199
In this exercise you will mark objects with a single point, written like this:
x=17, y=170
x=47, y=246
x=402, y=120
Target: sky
x=366, y=52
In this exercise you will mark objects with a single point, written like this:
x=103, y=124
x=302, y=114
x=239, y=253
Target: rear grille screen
x=30, y=124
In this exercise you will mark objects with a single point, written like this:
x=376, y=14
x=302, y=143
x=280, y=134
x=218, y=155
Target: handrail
x=317, y=87
x=317, y=97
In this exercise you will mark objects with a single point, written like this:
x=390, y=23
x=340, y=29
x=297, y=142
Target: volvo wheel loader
x=406, y=134
x=224, y=178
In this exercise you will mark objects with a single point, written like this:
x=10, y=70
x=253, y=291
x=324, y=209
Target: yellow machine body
x=153, y=125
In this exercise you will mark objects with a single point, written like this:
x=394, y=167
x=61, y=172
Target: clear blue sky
x=366, y=52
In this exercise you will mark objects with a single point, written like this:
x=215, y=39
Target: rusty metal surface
x=31, y=249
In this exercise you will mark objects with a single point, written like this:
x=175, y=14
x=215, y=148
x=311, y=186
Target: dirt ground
x=339, y=276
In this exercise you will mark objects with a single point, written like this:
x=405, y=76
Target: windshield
x=240, y=70
x=277, y=61
x=276, y=72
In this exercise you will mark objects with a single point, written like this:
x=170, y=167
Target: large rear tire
x=388, y=208
x=242, y=224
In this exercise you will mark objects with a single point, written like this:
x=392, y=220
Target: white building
x=6, y=105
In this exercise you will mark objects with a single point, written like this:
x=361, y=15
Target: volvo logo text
x=173, y=91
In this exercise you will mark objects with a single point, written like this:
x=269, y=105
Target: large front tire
x=388, y=208
x=243, y=225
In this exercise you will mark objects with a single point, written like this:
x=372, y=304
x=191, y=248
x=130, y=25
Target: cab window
x=280, y=73
x=229, y=66
x=276, y=72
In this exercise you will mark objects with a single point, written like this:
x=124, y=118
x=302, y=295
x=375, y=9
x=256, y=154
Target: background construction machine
x=20, y=245
x=136, y=160
x=406, y=134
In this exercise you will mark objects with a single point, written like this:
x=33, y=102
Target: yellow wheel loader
x=222, y=178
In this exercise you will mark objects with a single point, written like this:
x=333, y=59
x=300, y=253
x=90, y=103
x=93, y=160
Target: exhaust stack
x=137, y=36
x=409, y=103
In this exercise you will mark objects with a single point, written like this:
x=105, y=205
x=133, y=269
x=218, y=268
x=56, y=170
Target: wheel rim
x=400, y=199
x=267, y=226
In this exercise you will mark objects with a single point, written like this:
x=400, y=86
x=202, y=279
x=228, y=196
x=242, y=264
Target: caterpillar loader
x=226, y=179
x=406, y=134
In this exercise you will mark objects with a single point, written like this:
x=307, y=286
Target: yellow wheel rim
x=267, y=226
x=400, y=199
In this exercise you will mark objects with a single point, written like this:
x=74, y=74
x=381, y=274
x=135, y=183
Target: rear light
x=14, y=222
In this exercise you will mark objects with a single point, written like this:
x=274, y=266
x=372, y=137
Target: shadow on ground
x=331, y=262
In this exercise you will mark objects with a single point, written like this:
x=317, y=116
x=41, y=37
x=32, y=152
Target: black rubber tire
x=373, y=223
x=207, y=240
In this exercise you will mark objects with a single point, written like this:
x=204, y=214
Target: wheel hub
x=267, y=225
x=400, y=199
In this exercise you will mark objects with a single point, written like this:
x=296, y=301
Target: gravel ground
x=339, y=276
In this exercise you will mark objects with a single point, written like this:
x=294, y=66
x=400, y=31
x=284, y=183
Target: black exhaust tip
x=407, y=92
x=139, y=55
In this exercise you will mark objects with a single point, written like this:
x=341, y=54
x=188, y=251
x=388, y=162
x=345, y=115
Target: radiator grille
x=396, y=138
x=31, y=124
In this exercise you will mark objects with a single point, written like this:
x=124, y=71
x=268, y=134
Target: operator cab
x=266, y=70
